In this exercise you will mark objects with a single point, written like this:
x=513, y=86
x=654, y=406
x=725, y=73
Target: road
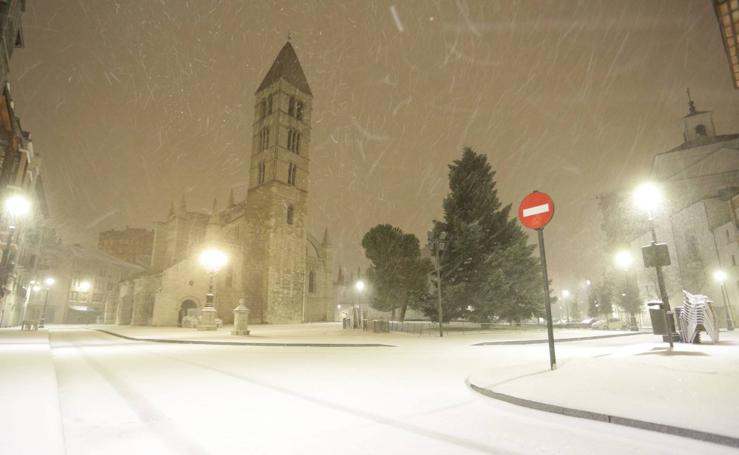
x=125, y=397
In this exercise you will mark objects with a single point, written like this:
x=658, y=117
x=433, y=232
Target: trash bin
x=658, y=316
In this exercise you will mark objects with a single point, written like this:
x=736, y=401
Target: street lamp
x=720, y=277
x=648, y=198
x=212, y=260
x=566, y=295
x=623, y=260
x=16, y=206
x=359, y=287
x=437, y=240
x=48, y=283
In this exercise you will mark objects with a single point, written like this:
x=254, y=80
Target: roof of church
x=286, y=66
x=701, y=142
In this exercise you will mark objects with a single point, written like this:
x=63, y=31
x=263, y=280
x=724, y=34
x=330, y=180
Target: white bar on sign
x=531, y=211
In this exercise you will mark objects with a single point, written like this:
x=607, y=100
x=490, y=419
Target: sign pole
x=547, y=303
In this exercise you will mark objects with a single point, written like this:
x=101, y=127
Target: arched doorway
x=184, y=306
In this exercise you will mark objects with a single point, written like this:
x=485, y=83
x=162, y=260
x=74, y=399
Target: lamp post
x=565, y=296
x=720, y=277
x=359, y=288
x=213, y=260
x=48, y=283
x=17, y=206
x=624, y=260
x=648, y=197
x=437, y=240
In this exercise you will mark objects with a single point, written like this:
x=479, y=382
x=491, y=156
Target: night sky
x=134, y=103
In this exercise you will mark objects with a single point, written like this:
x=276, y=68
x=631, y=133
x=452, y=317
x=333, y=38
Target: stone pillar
x=241, y=319
x=207, y=318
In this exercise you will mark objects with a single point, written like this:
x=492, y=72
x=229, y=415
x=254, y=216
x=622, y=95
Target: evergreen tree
x=487, y=269
x=604, y=294
x=398, y=274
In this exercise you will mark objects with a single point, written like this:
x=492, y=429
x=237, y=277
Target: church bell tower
x=278, y=190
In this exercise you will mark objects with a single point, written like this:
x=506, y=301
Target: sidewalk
x=30, y=420
x=332, y=335
x=694, y=387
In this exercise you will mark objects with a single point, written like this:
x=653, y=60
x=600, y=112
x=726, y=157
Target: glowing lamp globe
x=719, y=276
x=213, y=259
x=648, y=197
x=623, y=259
x=17, y=205
x=359, y=286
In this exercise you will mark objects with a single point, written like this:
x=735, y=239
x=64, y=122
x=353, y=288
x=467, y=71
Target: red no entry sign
x=536, y=210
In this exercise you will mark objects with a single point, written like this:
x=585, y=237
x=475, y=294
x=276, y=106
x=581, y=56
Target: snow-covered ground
x=118, y=396
x=690, y=386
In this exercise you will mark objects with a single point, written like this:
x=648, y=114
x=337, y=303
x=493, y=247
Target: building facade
x=132, y=245
x=699, y=179
x=282, y=272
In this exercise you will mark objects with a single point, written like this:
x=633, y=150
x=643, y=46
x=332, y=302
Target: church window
x=312, y=282
x=299, y=110
x=260, y=168
x=291, y=107
x=293, y=141
x=733, y=260
x=269, y=105
x=700, y=130
x=290, y=214
x=292, y=170
x=262, y=109
x=264, y=138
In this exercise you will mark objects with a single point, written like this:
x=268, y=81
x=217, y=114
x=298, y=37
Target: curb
x=251, y=343
x=560, y=340
x=599, y=417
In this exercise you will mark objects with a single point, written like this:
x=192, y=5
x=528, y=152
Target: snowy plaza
x=77, y=390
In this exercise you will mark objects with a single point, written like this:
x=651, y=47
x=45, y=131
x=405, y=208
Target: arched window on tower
x=292, y=170
x=269, y=105
x=291, y=107
x=293, y=140
x=700, y=130
x=312, y=282
x=290, y=214
x=261, y=169
x=299, y=110
x=264, y=138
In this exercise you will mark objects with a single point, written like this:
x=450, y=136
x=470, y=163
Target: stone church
x=283, y=273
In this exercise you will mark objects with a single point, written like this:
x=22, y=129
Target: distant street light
x=84, y=286
x=588, y=283
x=17, y=206
x=212, y=260
x=648, y=198
x=566, y=295
x=48, y=283
x=720, y=277
x=623, y=260
x=359, y=288
x=437, y=240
